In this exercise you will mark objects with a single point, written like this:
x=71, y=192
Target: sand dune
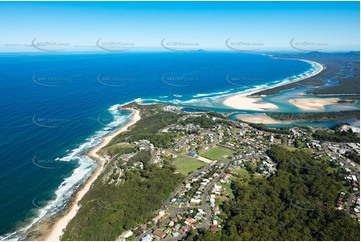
x=257, y=118
x=244, y=102
x=313, y=104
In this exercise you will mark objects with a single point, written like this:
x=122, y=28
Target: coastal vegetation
x=147, y=129
x=292, y=199
x=342, y=69
x=336, y=135
x=263, y=127
x=124, y=196
x=315, y=117
x=107, y=210
x=119, y=148
x=203, y=121
x=154, y=118
x=297, y=203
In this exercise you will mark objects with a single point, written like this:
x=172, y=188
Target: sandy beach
x=257, y=118
x=59, y=226
x=244, y=101
x=313, y=104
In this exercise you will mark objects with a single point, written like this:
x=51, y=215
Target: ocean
x=56, y=106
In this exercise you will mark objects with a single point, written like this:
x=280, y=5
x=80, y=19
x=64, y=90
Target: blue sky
x=265, y=25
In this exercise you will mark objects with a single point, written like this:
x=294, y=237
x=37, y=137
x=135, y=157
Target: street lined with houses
x=212, y=157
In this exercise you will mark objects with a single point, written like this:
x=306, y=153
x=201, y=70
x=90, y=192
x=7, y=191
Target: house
x=218, y=188
x=195, y=201
x=192, y=154
x=190, y=220
x=180, y=200
x=147, y=238
x=214, y=228
x=216, y=210
x=177, y=226
x=124, y=235
x=200, y=211
x=159, y=234
x=174, y=219
x=175, y=234
x=212, y=200
x=128, y=234
x=167, y=231
x=185, y=229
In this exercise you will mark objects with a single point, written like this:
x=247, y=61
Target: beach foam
x=57, y=229
x=79, y=175
x=213, y=93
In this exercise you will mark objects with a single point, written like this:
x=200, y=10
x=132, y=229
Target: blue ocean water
x=54, y=107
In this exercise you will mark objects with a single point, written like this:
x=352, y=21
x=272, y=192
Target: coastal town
x=180, y=120
x=211, y=158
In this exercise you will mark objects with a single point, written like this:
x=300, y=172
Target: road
x=205, y=206
x=349, y=203
x=176, y=210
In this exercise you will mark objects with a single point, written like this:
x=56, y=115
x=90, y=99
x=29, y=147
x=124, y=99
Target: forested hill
x=297, y=203
x=316, y=117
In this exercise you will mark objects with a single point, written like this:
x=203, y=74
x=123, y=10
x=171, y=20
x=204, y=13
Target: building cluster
x=339, y=155
x=176, y=225
x=196, y=202
x=192, y=192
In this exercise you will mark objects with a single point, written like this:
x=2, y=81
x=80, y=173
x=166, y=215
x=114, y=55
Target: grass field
x=186, y=165
x=217, y=153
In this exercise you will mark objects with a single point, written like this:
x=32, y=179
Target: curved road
x=177, y=210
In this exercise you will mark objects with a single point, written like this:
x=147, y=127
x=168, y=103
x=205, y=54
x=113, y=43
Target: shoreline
x=258, y=119
x=244, y=101
x=57, y=228
x=256, y=101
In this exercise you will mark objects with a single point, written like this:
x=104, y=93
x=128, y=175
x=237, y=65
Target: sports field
x=187, y=165
x=217, y=153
